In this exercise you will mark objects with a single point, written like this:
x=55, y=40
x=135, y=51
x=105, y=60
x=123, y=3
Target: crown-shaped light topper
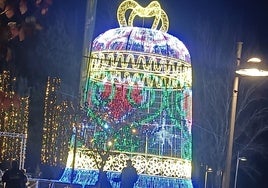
x=152, y=10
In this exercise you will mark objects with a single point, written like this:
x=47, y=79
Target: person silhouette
x=103, y=181
x=128, y=176
x=14, y=177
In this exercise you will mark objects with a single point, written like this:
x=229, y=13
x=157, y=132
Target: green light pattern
x=154, y=102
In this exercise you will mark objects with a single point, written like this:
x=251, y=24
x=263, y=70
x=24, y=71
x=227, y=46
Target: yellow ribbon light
x=152, y=10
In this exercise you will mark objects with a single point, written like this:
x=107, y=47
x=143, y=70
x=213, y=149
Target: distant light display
x=14, y=117
x=138, y=98
x=59, y=118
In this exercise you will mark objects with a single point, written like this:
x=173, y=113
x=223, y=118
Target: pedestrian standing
x=128, y=176
x=14, y=177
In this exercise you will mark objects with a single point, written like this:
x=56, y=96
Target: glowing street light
x=238, y=159
x=208, y=170
x=251, y=68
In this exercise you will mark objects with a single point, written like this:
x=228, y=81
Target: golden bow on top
x=152, y=10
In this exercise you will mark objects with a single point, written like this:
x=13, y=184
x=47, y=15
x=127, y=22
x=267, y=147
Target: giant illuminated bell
x=138, y=95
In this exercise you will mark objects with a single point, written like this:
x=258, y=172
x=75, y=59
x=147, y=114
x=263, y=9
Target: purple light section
x=141, y=40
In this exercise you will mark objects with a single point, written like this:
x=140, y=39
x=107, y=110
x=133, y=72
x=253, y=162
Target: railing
x=45, y=183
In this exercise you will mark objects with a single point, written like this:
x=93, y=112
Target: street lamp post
x=74, y=155
x=226, y=173
x=208, y=170
x=245, y=71
x=238, y=159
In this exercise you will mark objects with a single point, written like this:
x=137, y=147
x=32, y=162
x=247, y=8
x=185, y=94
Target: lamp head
x=253, y=67
x=242, y=158
x=209, y=170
